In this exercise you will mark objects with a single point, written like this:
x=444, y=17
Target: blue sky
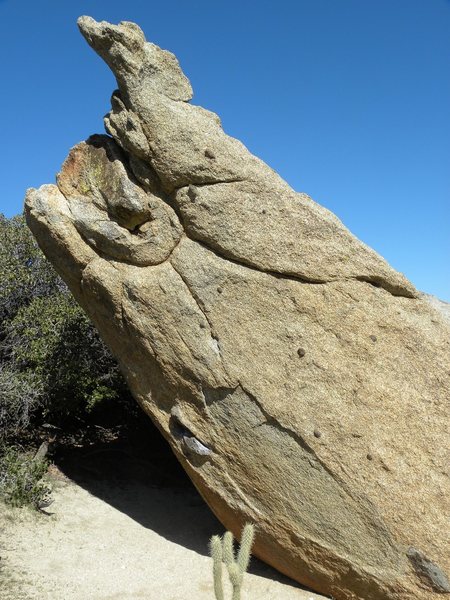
x=347, y=99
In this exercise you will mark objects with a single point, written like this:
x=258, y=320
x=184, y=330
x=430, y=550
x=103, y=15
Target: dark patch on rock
x=427, y=570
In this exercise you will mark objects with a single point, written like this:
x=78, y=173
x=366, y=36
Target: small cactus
x=217, y=556
x=222, y=552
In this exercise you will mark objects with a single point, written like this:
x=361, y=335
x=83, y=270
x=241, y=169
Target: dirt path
x=125, y=539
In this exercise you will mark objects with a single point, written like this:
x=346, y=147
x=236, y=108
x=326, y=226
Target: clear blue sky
x=347, y=99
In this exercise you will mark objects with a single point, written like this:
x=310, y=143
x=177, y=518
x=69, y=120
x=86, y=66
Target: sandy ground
x=124, y=538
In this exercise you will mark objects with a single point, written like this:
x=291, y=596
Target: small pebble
x=317, y=433
x=220, y=290
x=301, y=352
x=373, y=338
x=209, y=154
x=369, y=456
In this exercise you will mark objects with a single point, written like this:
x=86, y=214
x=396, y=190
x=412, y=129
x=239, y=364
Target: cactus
x=222, y=552
x=217, y=555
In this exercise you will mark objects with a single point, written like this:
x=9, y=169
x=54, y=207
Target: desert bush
x=21, y=478
x=24, y=271
x=53, y=364
x=53, y=340
x=20, y=394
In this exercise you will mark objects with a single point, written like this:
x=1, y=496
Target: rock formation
x=299, y=379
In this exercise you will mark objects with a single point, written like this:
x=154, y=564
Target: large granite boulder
x=299, y=379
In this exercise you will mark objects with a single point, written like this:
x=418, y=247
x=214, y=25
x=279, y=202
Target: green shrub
x=21, y=478
x=52, y=339
x=24, y=271
x=20, y=394
x=53, y=364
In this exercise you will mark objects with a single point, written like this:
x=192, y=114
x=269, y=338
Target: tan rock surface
x=300, y=380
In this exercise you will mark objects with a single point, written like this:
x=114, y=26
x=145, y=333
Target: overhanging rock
x=300, y=380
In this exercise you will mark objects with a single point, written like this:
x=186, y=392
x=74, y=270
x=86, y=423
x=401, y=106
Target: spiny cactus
x=222, y=552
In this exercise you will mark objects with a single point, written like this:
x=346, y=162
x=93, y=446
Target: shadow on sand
x=140, y=476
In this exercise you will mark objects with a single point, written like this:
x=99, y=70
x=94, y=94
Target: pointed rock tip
x=86, y=25
x=123, y=48
x=83, y=18
x=84, y=21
